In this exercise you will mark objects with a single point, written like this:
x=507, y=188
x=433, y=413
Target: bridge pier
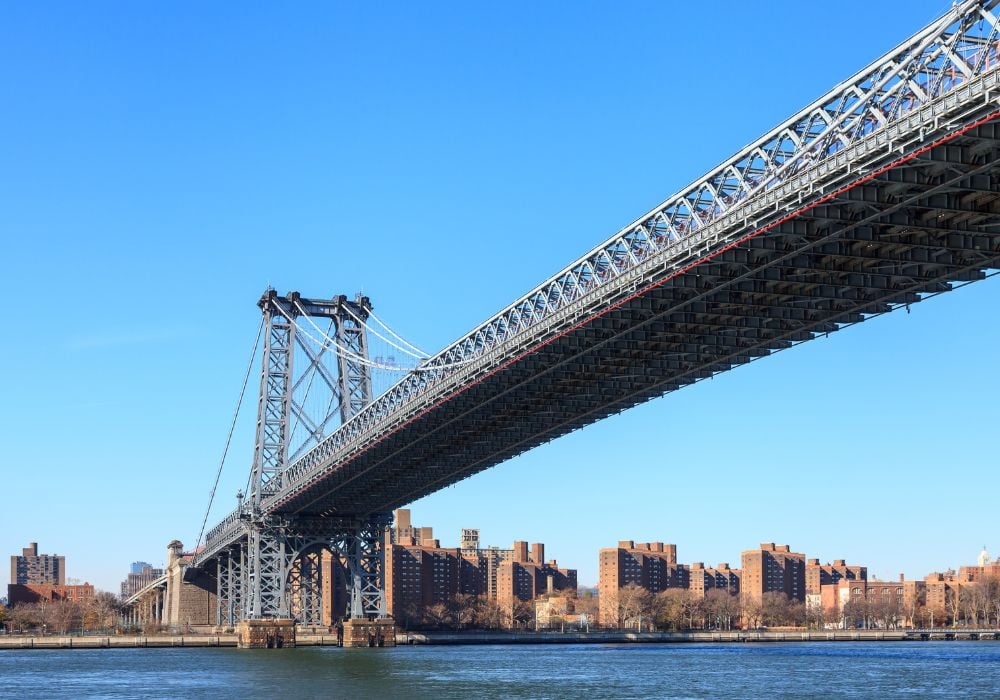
x=306, y=560
x=363, y=632
x=265, y=634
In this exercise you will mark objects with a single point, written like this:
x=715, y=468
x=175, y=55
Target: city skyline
x=149, y=181
x=427, y=535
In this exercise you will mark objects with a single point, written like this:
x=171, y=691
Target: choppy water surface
x=860, y=670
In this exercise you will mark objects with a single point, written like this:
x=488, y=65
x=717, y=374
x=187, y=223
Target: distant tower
x=984, y=557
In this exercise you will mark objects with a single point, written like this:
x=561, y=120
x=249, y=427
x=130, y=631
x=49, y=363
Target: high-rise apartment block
x=404, y=530
x=651, y=565
x=34, y=568
x=772, y=569
x=420, y=573
x=140, y=575
x=829, y=574
x=703, y=579
x=528, y=576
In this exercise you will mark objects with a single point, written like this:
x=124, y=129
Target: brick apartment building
x=772, y=569
x=528, y=576
x=34, y=568
x=829, y=574
x=703, y=579
x=18, y=593
x=36, y=577
x=650, y=565
x=421, y=573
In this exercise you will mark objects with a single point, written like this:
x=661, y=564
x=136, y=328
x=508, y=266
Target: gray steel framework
x=878, y=194
x=272, y=569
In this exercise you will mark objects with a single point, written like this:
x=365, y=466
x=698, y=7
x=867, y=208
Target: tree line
x=102, y=612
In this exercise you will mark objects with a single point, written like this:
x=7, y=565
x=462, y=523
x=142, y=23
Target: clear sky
x=162, y=163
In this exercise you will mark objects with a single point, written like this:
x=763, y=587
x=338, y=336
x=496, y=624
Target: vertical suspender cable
x=229, y=438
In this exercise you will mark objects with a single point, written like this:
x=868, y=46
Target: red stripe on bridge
x=687, y=268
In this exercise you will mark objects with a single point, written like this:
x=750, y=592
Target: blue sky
x=162, y=164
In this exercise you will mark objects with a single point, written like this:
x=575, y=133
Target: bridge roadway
x=900, y=211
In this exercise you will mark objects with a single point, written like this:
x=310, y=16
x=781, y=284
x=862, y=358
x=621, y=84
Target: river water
x=580, y=672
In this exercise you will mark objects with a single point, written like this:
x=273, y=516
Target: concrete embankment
x=687, y=637
x=151, y=641
x=482, y=637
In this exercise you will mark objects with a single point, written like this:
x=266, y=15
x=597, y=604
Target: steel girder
x=866, y=250
x=292, y=579
x=305, y=588
x=231, y=585
x=362, y=551
x=677, y=265
x=940, y=79
x=274, y=404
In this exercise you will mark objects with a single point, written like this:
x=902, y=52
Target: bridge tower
x=275, y=572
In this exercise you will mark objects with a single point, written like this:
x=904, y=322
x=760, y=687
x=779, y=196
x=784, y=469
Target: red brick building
x=420, y=573
x=829, y=574
x=650, y=565
x=35, y=592
x=526, y=577
x=772, y=569
x=702, y=579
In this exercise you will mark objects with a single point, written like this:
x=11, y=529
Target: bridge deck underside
x=914, y=230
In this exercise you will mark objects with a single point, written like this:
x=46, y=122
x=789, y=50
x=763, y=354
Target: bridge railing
x=420, y=390
x=138, y=595
x=948, y=53
x=901, y=92
x=230, y=529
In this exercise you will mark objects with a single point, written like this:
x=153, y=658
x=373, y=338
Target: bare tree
x=438, y=616
x=722, y=607
x=913, y=606
x=634, y=604
x=588, y=604
x=777, y=609
x=491, y=615
x=522, y=613
x=693, y=606
x=24, y=617
x=955, y=605
x=752, y=612
x=465, y=609
x=992, y=586
x=101, y=611
x=670, y=609
x=64, y=616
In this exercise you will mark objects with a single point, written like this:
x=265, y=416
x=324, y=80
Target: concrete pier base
x=361, y=632
x=265, y=634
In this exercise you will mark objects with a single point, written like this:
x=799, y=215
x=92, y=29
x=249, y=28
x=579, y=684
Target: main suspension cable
x=229, y=438
x=394, y=334
x=328, y=341
x=383, y=338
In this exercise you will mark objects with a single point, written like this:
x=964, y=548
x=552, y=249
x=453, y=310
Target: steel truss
x=279, y=574
x=293, y=549
x=864, y=201
x=943, y=76
x=363, y=553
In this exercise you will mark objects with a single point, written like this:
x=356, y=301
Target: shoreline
x=481, y=638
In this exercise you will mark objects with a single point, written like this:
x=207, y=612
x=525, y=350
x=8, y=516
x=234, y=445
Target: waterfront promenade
x=494, y=637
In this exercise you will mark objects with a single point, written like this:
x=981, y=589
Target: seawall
x=496, y=637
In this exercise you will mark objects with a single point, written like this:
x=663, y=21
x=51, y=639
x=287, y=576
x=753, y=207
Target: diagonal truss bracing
x=942, y=77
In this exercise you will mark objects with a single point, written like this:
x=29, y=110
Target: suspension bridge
x=881, y=193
